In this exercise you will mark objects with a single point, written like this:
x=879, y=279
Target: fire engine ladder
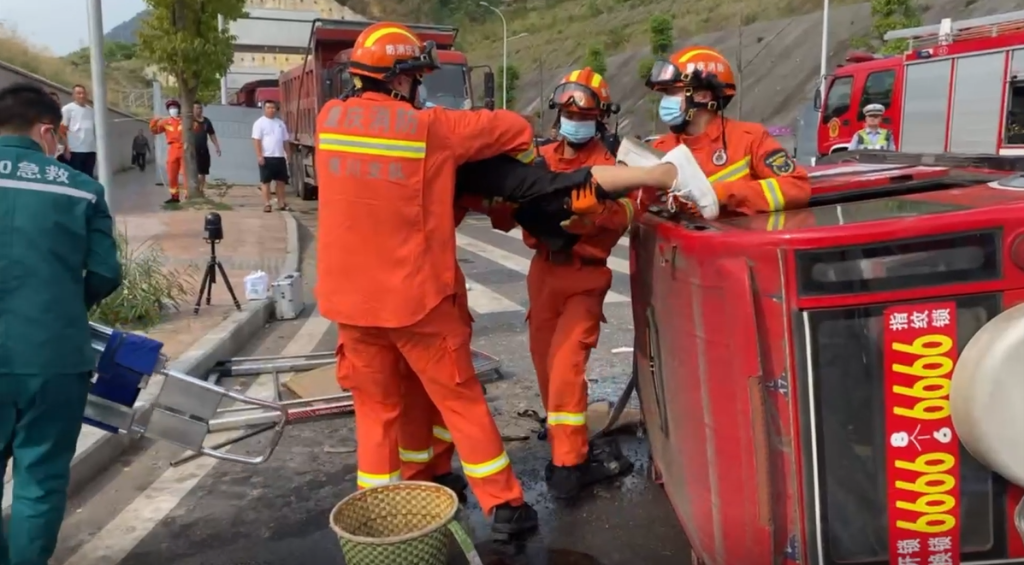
x=948, y=31
x=182, y=408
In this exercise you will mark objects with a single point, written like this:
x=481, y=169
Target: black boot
x=605, y=461
x=172, y=200
x=511, y=521
x=455, y=483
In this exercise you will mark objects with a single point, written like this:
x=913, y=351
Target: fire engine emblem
x=719, y=157
x=779, y=162
x=833, y=128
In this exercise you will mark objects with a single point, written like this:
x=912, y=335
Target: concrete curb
x=97, y=449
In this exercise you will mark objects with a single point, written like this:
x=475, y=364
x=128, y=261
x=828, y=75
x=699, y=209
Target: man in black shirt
x=202, y=127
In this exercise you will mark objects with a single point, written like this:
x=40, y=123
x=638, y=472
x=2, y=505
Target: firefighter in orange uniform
x=749, y=171
x=171, y=128
x=387, y=270
x=567, y=286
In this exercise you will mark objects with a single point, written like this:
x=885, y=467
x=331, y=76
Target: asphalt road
x=142, y=512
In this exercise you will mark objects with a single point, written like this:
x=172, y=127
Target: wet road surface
x=142, y=512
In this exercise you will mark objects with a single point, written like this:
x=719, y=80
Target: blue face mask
x=577, y=132
x=670, y=110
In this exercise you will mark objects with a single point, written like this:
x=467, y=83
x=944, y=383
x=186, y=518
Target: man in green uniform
x=57, y=259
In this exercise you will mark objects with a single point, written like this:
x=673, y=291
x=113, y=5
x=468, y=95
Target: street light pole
x=99, y=98
x=824, y=49
x=504, y=56
x=223, y=79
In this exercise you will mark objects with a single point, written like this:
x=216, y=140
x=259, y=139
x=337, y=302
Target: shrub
x=148, y=287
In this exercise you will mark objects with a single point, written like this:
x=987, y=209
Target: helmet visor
x=663, y=75
x=573, y=96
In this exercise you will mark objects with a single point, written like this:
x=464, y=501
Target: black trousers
x=139, y=160
x=84, y=162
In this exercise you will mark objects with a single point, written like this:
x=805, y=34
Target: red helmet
x=172, y=102
x=583, y=91
x=385, y=50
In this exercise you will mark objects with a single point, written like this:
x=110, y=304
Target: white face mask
x=174, y=112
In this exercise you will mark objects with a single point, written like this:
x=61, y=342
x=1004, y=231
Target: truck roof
x=346, y=31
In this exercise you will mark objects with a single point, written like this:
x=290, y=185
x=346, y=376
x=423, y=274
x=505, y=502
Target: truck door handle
x=846, y=122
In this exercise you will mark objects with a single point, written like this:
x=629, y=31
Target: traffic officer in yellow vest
x=58, y=259
x=873, y=137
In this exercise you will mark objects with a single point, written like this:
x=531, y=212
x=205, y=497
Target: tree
x=887, y=15
x=513, y=82
x=661, y=32
x=182, y=39
x=643, y=69
x=595, y=59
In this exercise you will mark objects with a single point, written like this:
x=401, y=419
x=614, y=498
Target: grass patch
x=148, y=287
x=201, y=203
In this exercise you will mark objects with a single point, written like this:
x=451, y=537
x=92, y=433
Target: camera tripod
x=210, y=277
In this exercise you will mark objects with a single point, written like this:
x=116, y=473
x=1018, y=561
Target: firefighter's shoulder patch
x=779, y=162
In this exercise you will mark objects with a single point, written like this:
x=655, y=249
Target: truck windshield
x=447, y=87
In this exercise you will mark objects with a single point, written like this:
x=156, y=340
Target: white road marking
x=483, y=300
x=512, y=261
x=115, y=541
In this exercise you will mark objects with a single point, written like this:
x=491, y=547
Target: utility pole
x=224, y=77
x=824, y=50
x=99, y=98
x=739, y=65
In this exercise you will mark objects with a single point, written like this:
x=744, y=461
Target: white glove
x=691, y=183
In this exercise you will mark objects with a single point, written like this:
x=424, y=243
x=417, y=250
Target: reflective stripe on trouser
x=376, y=355
x=425, y=444
x=564, y=323
x=40, y=419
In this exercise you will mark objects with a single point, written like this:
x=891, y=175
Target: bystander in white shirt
x=272, y=133
x=81, y=124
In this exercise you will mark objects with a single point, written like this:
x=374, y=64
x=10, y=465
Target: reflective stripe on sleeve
x=363, y=145
x=410, y=456
x=482, y=470
x=567, y=418
x=630, y=209
x=442, y=434
x=733, y=171
x=773, y=194
x=367, y=480
x=528, y=156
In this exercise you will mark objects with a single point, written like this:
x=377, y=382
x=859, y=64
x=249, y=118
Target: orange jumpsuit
x=425, y=444
x=752, y=172
x=387, y=274
x=172, y=130
x=567, y=291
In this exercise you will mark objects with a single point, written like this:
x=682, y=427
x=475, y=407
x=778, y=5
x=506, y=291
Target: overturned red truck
x=794, y=368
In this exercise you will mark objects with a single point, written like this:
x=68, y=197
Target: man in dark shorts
x=202, y=127
x=272, y=142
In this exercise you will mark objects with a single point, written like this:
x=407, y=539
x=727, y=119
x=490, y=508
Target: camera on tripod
x=214, y=234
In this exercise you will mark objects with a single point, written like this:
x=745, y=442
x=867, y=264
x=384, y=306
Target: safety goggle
x=665, y=74
x=576, y=96
x=423, y=63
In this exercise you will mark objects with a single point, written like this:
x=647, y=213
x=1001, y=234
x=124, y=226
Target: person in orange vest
x=387, y=265
x=748, y=169
x=567, y=282
x=171, y=128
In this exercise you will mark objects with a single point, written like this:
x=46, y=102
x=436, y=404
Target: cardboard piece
x=315, y=383
x=599, y=412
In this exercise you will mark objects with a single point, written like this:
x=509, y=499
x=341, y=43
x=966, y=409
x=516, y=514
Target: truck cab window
x=837, y=101
x=877, y=90
x=1013, y=133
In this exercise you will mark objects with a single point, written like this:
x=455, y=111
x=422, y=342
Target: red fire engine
x=794, y=368
x=959, y=88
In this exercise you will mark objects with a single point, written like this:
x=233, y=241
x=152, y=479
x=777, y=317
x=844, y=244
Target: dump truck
x=324, y=75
